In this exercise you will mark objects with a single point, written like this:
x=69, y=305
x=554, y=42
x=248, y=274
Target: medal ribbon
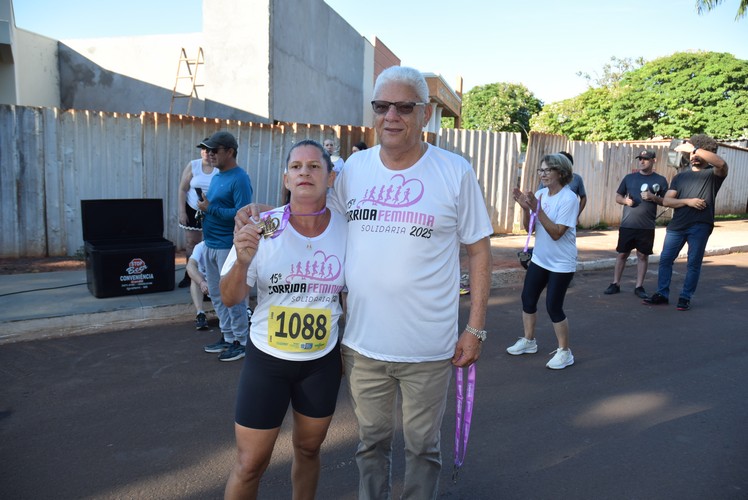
x=533, y=216
x=464, y=416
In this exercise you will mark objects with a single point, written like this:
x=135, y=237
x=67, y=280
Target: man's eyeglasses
x=543, y=171
x=213, y=150
x=402, y=107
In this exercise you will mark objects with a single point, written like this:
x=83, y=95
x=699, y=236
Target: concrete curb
x=84, y=324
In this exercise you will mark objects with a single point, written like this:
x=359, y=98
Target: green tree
x=500, y=107
x=613, y=71
x=704, y=6
x=674, y=96
x=683, y=94
x=582, y=118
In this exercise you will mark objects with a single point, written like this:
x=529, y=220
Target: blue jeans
x=696, y=236
x=233, y=320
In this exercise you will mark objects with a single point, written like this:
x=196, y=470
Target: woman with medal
x=555, y=209
x=295, y=255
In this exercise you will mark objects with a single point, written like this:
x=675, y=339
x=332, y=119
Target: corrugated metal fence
x=603, y=165
x=52, y=159
x=57, y=158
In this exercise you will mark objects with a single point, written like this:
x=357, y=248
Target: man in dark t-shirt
x=691, y=195
x=639, y=193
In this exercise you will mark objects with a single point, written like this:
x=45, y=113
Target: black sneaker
x=236, y=351
x=639, y=292
x=185, y=283
x=219, y=346
x=655, y=300
x=612, y=288
x=683, y=304
x=201, y=322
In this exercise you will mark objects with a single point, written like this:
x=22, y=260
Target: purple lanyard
x=462, y=429
x=533, y=216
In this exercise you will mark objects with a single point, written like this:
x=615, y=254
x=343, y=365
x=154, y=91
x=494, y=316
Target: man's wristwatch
x=481, y=334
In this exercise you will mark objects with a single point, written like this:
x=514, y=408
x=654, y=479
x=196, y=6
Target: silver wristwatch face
x=481, y=334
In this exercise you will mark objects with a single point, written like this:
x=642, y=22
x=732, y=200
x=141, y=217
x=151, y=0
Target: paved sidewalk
x=47, y=305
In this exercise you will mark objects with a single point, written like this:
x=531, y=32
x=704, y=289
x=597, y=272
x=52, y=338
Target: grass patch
x=731, y=217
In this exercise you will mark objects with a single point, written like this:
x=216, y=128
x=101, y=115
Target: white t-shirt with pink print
x=402, y=265
x=298, y=284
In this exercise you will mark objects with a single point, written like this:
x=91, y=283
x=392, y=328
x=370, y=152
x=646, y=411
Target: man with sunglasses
x=409, y=206
x=230, y=189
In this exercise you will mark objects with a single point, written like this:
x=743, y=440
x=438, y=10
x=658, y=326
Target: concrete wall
x=316, y=66
x=368, y=84
x=124, y=74
x=265, y=60
x=37, y=76
x=237, y=45
x=7, y=78
x=7, y=66
x=28, y=64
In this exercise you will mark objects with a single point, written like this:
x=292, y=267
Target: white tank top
x=199, y=179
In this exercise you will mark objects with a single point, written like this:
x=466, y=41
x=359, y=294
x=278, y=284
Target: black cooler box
x=126, y=253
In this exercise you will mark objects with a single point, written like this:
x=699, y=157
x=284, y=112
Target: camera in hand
x=525, y=257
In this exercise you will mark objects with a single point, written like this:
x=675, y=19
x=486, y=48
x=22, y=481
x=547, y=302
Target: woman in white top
x=195, y=182
x=294, y=351
x=554, y=259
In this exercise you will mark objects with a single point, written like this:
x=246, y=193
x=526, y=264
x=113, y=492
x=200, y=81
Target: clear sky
x=541, y=44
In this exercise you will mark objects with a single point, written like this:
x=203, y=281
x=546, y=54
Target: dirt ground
x=52, y=264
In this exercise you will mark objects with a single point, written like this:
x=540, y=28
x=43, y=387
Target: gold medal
x=269, y=226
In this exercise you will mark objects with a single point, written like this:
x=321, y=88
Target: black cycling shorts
x=267, y=384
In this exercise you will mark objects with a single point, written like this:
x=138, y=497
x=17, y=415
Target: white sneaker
x=523, y=346
x=561, y=360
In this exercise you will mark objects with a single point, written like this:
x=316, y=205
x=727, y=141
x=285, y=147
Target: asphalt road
x=656, y=407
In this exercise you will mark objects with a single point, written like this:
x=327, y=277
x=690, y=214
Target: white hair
x=403, y=74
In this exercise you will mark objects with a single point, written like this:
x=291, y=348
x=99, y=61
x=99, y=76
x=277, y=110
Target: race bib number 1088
x=298, y=329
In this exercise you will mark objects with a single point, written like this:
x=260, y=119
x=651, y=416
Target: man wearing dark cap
x=692, y=196
x=639, y=193
x=229, y=190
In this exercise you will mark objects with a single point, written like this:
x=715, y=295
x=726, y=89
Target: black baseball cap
x=647, y=154
x=221, y=139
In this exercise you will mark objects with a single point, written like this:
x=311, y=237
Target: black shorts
x=193, y=223
x=641, y=239
x=267, y=384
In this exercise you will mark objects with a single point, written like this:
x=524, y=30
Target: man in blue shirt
x=229, y=190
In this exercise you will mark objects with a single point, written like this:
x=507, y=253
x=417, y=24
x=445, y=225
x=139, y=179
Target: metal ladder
x=187, y=70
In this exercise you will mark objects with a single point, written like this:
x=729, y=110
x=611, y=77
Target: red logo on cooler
x=137, y=266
